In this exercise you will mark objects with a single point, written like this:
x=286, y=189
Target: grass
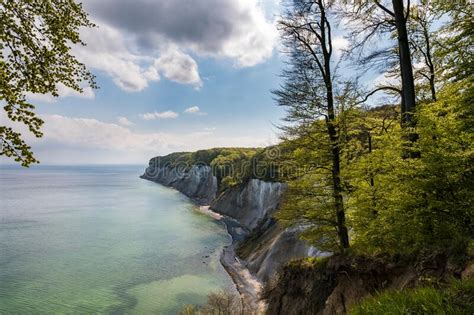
x=457, y=298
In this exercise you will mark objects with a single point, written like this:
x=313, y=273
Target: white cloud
x=63, y=91
x=253, y=40
x=179, y=67
x=192, y=110
x=124, y=121
x=92, y=133
x=160, y=115
x=70, y=140
x=195, y=110
x=108, y=51
x=137, y=40
x=151, y=74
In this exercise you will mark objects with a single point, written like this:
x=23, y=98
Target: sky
x=174, y=75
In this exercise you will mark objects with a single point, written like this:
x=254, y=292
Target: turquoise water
x=83, y=240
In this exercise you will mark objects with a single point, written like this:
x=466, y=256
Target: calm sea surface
x=99, y=239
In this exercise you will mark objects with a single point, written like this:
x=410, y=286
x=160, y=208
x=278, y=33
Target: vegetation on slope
x=218, y=303
x=405, y=175
x=457, y=298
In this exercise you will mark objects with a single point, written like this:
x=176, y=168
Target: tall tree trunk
x=336, y=161
x=432, y=86
x=408, y=84
x=326, y=46
x=429, y=62
x=426, y=52
x=336, y=171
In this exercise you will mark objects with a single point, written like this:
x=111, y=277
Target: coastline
x=246, y=284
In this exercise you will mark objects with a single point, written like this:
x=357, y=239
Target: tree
x=35, y=57
x=422, y=41
x=223, y=302
x=393, y=205
x=380, y=17
x=408, y=83
x=309, y=94
x=455, y=51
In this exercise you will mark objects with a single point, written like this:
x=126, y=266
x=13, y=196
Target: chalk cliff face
x=261, y=243
x=197, y=182
x=268, y=246
x=250, y=203
x=273, y=247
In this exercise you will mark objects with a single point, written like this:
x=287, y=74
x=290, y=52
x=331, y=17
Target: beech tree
x=309, y=94
x=35, y=57
x=372, y=18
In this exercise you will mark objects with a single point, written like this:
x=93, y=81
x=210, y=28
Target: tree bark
x=336, y=172
x=426, y=52
x=429, y=62
x=332, y=132
x=408, y=84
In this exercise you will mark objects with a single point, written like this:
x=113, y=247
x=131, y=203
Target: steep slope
x=333, y=285
x=250, y=203
x=261, y=245
x=267, y=246
x=197, y=183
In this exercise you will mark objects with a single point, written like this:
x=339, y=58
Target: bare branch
x=391, y=88
x=384, y=8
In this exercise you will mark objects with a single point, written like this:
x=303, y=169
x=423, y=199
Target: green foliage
x=310, y=196
x=457, y=299
x=232, y=167
x=35, y=57
x=201, y=157
x=455, y=46
x=395, y=205
x=404, y=206
x=172, y=160
x=313, y=262
x=308, y=201
x=272, y=164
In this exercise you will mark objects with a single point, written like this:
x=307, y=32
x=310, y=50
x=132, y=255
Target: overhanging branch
x=391, y=88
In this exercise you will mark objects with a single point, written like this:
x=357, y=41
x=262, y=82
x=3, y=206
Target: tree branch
x=384, y=8
x=391, y=88
x=407, y=15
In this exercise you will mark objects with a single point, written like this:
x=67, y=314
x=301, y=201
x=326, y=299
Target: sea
x=100, y=240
